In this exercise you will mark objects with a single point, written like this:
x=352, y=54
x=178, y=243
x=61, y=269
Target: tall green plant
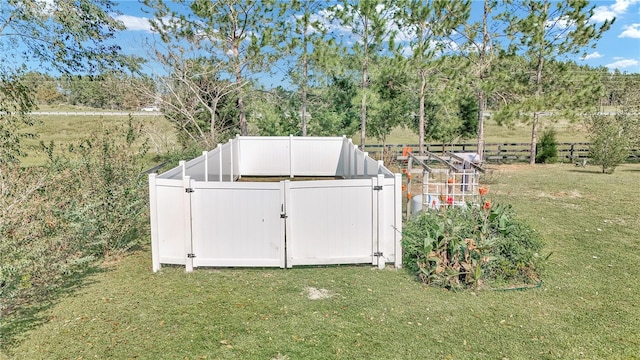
x=609, y=141
x=546, y=149
x=467, y=246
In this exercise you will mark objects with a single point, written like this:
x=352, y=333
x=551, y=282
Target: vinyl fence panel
x=237, y=224
x=329, y=222
x=171, y=221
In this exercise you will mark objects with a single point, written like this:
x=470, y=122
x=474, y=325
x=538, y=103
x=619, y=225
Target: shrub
x=57, y=220
x=462, y=247
x=610, y=140
x=546, y=148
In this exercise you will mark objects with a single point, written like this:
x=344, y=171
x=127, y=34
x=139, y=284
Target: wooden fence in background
x=500, y=153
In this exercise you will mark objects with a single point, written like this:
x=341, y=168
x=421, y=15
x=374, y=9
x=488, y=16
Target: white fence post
x=219, y=147
x=291, y=170
x=365, y=168
x=344, y=154
x=231, y=158
x=206, y=165
x=380, y=214
x=153, y=208
x=398, y=220
x=188, y=248
x=182, y=163
x=288, y=221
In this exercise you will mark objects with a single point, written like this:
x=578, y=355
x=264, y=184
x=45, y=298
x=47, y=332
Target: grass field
x=64, y=130
x=586, y=308
x=67, y=129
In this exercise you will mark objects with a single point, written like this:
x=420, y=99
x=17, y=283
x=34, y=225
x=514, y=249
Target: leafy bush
x=55, y=221
x=610, y=140
x=546, y=148
x=468, y=246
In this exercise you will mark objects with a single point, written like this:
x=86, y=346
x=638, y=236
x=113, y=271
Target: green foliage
x=468, y=113
x=109, y=90
x=546, y=148
x=460, y=247
x=545, y=82
x=610, y=140
x=16, y=101
x=87, y=203
x=277, y=114
x=390, y=104
x=338, y=116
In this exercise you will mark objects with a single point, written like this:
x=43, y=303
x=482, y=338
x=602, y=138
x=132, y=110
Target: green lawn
x=586, y=308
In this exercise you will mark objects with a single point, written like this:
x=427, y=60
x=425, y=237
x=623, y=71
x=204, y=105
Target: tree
x=239, y=31
x=390, y=101
x=193, y=95
x=303, y=38
x=276, y=112
x=369, y=22
x=542, y=31
x=337, y=115
x=65, y=36
x=480, y=50
x=46, y=88
x=429, y=24
x=609, y=141
x=623, y=91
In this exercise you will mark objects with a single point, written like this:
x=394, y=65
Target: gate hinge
x=191, y=255
x=189, y=190
x=283, y=216
x=377, y=253
x=377, y=187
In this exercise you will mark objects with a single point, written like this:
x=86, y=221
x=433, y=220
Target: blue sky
x=619, y=48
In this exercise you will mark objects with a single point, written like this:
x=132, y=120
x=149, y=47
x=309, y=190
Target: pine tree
x=546, y=32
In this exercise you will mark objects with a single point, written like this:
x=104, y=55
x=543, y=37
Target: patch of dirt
x=318, y=294
x=573, y=194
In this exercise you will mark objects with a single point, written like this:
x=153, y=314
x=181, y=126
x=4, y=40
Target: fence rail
x=501, y=152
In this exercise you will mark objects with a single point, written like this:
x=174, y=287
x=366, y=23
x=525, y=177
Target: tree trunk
x=534, y=138
x=303, y=88
x=363, y=117
x=482, y=64
x=363, y=105
x=212, y=131
x=421, y=122
x=242, y=118
x=481, y=126
x=536, y=114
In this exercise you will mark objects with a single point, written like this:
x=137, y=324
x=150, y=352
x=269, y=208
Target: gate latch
x=191, y=255
x=377, y=187
x=377, y=253
x=189, y=190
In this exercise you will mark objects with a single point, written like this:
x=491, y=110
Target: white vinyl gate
x=272, y=224
x=237, y=224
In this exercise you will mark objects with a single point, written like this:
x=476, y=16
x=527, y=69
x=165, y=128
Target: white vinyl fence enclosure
x=202, y=216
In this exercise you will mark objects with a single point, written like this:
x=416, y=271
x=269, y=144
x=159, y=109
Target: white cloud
x=608, y=12
x=593, y=55
x=135, y=23
x=631, y=31
x=623, y=64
